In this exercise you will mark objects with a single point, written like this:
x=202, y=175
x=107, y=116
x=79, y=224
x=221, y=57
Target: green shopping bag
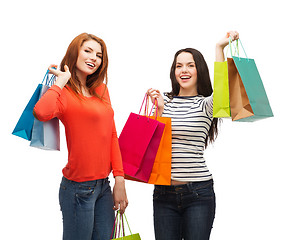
x=221, y=105
x=254, y=88
x=118, y=229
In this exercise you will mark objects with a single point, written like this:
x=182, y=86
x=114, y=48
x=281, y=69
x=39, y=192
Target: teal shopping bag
x=254, y=88
x=253, y=85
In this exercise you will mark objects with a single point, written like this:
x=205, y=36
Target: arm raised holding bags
x=49, y=106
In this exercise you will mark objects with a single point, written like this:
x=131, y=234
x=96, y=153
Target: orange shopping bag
x=161, y=172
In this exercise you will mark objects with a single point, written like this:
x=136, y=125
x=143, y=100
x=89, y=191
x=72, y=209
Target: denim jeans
x=184, y=211
x=87, y=209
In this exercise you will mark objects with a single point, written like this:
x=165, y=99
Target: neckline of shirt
x=187, y=97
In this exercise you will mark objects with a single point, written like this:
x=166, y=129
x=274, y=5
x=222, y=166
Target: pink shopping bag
x=139, y=142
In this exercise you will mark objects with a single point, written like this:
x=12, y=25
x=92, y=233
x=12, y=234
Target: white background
x=142, y=37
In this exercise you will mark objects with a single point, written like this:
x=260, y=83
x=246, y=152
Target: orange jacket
x=93, y=149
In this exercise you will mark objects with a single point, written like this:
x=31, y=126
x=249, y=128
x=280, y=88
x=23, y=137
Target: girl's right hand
x=155, y=94
x=222, y=43
x=62, y=77
x=219, y=54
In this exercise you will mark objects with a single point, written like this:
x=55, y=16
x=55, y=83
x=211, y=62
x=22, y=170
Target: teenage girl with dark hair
x=186, y=209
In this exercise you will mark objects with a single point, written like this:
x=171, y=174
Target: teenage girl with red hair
x=80, y=99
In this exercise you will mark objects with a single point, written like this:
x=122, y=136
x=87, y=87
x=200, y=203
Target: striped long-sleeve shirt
x=191, y=118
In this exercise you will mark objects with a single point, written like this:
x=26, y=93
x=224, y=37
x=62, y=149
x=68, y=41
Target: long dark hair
x=204, y=86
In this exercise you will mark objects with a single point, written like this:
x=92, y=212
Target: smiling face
x=89, y=59
x=186, y=74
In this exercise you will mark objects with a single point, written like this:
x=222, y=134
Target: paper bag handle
x=237, y=48
x=146, y=107
x=48, y=81
x=118, y=228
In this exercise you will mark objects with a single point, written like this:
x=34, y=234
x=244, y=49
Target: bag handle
x=116, y=231
x=127, y=223
x=48, y=81
x=237, y=48
x=146, y=107
x=118, y=228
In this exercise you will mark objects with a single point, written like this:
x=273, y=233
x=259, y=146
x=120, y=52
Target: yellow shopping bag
x=221, y=105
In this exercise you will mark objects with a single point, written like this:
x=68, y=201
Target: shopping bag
x=118, y=232
x=254, y=88
x=161, y=171
x=221, y=106
x=258, y=106
x=139, y=142
x=24, y=125
x=239, y=101
x=46, y=135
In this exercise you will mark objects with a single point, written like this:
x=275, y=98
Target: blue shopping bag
x=24, y=125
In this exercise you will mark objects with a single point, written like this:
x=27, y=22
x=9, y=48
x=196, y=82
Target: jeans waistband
x=184, y=187
x=93, y=182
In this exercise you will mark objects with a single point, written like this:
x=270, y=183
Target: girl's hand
x=219, y=54
x=155, y=94
x=222, y=43
x=119, y=194
x=62, y=77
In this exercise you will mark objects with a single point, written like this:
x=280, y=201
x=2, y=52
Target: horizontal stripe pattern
x=191, y=119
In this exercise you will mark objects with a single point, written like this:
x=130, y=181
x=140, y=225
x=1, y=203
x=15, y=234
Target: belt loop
x=162, y=189
x=190, y=186
x=105, y=180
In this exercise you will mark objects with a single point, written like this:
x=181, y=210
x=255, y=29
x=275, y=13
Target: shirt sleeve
x=50, y=105
x=208, y=106
x=116, y=158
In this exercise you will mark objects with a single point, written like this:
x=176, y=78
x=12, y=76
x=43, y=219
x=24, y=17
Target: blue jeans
x=87, y=209
x=184, y=211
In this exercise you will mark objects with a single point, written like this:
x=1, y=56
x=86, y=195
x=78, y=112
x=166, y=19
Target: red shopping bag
x=139, y=142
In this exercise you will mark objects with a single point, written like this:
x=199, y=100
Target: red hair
x=70, y=59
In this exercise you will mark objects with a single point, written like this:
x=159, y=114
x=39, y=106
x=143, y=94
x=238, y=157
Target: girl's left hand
x=222, y=43
x=119, y=194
